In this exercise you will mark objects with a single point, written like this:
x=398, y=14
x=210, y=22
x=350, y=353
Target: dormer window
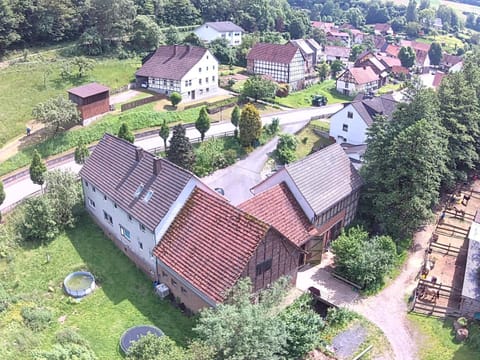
x=138, y=191
x=148, y=196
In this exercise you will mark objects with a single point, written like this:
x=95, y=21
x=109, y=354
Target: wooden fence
x=197, y=140
x=140, y=102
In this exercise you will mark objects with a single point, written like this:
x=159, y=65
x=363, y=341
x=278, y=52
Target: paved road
x=289, y=119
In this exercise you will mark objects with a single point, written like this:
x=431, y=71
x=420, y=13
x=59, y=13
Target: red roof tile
x=392, y=50
x=389, y=61
x=274, y=53
x=210, y=242
x=337, y=51
x=278, y=207
x=88, y=90
x=172, y=61
x=363, y=75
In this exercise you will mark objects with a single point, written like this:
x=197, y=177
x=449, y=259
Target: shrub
x=37, y=318
x=38, y=222
x=215, y=154
x=69, y=335
x=339, y=317
x=5, y=299
x=285, y=152
x=175, y=98
x=474, y=337
x=282, y=90
x=153, y=347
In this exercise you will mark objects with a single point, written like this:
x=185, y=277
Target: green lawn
x=437, y=340
x=303, y=98
x=139, y=118
x=449, y=42
x=22, y=87
x=123, y=299
x=308, y=140
x=389, y=88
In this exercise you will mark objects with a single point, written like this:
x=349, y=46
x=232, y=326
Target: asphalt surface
x=244, y=172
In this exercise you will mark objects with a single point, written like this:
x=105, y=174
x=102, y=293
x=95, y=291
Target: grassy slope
x=449, y=43
x=313, y=141
x=125, y=297
x=438, y=340
x=22, y=87
x=304, y=98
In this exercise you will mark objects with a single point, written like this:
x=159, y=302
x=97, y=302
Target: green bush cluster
x=37, y=318
x=216, y=154
x=70, y=345
x=339, y=317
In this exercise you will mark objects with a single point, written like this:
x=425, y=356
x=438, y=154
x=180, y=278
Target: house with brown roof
x=422, y=59
x=191, y=71
x=336, y=36
x=392, y=50
x=332, y=53
x=134, y=196
x=368, y=59
x=358, y=79
x=449, y=61
x=382, y=29
x=212, y=244
x=92, y=100
x=284, y=63
x=325, y=187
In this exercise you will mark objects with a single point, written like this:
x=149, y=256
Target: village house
x=380, y=43
x=212, y=244
x=325, y=26
x=392, y=50
x=350, y=124
x=191, y=71
x=382, y=29
x=220, y=30
x=284, y=63
x=324, y=185
x=178, y=230
x=368, y=59
x=91, y=99
x=422, y=59
x=308, y=54
x=332, y=53
x=448, y=61
x=355, y=80
x=358, y=36
x=338, y=37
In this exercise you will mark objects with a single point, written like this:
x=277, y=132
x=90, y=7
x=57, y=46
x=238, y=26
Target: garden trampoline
x=135, y=333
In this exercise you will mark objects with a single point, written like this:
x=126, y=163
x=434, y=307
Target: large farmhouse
x=189, y=70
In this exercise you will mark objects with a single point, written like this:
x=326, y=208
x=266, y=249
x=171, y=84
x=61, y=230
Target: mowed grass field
x=22, y=86
x=124, y=296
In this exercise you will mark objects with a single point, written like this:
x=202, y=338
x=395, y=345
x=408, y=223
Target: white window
x=213, y=78
x=91, y=202
x=138, y=191
x=206, y=79
x=86, y=183
x=129, y=218
x=148, y=196
x=94, y=189
x=186, y=82
x=125, y=233
x=189, y=82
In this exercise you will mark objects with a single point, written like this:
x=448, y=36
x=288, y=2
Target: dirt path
x=388, y=309
x=12, y=147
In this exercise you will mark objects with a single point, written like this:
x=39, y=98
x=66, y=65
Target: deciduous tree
x=203, y=122
x=250, y=125
x=81, y=153
x=56, y=113
x=146, y=34
x=235, y=119
x=164, y=133
x=286, y=146
x=407, y=56
x=38, y=223
x=125, y=133
x=181, y=151
x=151, y=346
x=193, y=40
x=257, y=88
x=435, y=53
x=175, y=98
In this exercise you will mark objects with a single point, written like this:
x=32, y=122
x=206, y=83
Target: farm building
x=91, y=99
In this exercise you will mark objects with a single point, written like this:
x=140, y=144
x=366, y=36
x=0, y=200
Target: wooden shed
x=92, y=99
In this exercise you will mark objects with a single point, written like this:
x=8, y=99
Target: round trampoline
x=135, y=333
x=79, y=284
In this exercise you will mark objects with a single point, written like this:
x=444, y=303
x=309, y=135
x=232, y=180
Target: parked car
x=319, y=100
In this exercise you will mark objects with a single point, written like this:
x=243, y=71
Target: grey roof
x=224, y=26
x=113, y=169
x=325, y=177
x=172, y=61
x=88, y=90
x=471, y=281
x=303, y=46
x=381, y=105
x=313, y=44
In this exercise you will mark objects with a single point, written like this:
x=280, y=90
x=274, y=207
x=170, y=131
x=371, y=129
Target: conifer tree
x=180, y=151
x=250, y=125
x=203, y=122
x=37, y=169
x=125, y=133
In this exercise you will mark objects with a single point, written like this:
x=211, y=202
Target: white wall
x=356, y=133
x=208, y=34
x=120, y=217
x=283, y=176
x=209, y=70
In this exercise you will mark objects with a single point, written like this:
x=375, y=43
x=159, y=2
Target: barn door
x=316, y=250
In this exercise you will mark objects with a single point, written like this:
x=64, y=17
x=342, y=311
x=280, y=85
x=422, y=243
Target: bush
x=282, y=90
x=37, y=318
x=5, y=299
x=38, y=222
x=285, y=152
x=69, y=335
x=175, y=98
x=215, y=154
x=474, y=337
x=339, y=317
x=153, y=347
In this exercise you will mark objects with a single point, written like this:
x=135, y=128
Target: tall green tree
x=257, y=88
x=81, y=152
x=83, y=65
x=406, y=56
x=286, y=146
x=459, y=114
x=172, y=36
x=113, y=19
x=164, y=133
x=146, y=34
x=193, y=40
x=323, y=70
x=235, y=119
x=412, y=13
x=244, y=329
x=153, y=347
x=203, y=122
x=181, y=151
x=435, y=53
x=38, y=223
x=180, y=13
x=250, y=125
x=125, y=133
x=336, y=66
x=37, y=169
x=8, y=26
x=56, y=113
x=222, y=50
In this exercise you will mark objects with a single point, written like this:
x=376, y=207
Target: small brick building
x=91, y=99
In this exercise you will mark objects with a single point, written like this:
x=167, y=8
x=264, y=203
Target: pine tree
x=181, y=151
x=37, y=169
x=125, y=133
x=203, y=122
x=235, y=119
x=164, y=133
x=250, y=125
x=81, y=153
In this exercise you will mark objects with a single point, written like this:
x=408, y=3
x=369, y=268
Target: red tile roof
x=88, y=90
x=400, y=69
x=389, y=61
x=437, y=79
x=392, y=50
x=172, y=61
x=323, y=25
x=337, y=51
x=274, y=53
x=382, y=27
x=336, y=33
x=415, y=45
x=278, y=207
x=450, y=60
x=363, y=75
x=210, y=242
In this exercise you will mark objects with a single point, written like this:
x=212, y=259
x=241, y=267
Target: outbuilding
x=92, y=99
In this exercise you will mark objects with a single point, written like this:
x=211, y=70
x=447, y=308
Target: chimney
x=157, y=166
x=138, y=153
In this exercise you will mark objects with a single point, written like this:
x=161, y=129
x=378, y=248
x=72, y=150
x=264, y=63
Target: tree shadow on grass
x=121, y=280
